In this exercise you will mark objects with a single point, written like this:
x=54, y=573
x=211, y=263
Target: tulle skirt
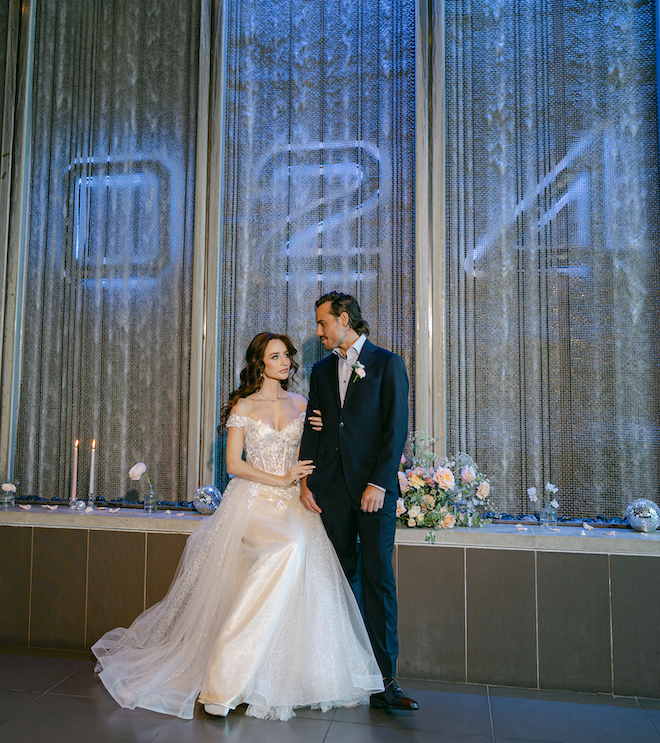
x=259, y=612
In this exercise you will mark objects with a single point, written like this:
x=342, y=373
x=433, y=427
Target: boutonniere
x=359, y=371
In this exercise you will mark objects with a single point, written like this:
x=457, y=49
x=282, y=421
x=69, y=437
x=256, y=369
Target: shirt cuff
x=378, y=487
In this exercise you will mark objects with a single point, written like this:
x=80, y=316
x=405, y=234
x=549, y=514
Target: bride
x=259, y=611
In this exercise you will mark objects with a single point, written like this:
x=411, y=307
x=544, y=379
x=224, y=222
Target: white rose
x=554, y=503
x=551, y=488
x=9, y=487
x=137, y=470
x=412, y=522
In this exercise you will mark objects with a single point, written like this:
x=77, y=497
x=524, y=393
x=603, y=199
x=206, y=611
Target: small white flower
x=554, y=503
x=137, y=470
x=551, y=488
x=414, y=512
x=531, y=492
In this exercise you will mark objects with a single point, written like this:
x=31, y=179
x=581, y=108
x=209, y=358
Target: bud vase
x=150, y=505
x=548, y=516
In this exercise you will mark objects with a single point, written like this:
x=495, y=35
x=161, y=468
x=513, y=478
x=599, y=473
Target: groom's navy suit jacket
x=368, y=434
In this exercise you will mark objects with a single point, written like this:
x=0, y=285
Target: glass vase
x=150, y=504
x=548, y=516
x=7, y=499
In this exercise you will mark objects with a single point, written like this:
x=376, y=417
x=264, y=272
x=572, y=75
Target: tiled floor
x=53, y=700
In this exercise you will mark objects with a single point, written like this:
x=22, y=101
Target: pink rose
x=468, y=474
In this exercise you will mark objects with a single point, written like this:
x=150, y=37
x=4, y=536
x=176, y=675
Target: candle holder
x=73, y=503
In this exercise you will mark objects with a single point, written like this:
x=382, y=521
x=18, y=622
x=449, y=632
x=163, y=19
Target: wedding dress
x=259, y=611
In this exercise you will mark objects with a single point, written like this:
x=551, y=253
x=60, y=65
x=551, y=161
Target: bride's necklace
x=269, y=399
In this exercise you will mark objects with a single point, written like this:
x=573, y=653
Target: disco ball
x=207, y=499
x=643, y=515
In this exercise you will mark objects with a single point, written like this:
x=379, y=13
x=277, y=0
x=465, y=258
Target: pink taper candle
x=92, y=469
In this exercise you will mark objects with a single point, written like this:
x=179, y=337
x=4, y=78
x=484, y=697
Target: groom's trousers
x=367, y=565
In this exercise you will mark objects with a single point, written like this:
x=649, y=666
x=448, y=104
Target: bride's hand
x=298, y=471
x=316, y=421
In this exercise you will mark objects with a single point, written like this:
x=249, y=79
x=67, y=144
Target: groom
x=362, y=393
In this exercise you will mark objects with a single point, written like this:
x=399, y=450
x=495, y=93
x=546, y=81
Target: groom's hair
x=346, y=303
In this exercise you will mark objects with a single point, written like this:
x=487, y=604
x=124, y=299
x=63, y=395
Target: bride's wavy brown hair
x=251, y=373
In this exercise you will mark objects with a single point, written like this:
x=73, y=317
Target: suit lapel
x=366, y=357
x=333, y=378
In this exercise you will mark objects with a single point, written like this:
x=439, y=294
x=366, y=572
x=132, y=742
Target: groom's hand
x=372, y=499
x=307, y=497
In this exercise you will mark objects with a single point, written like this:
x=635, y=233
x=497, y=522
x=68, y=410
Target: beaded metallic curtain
x=106, y=315
x=319, y=172
x=5, y=6
x=552, y=248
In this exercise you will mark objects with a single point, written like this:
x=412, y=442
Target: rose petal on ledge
x=113, y=510
x=51, y=508
x=180, y=513
x=611, y=533
x=553, y=528
x=25, y=508
x=583, y=533
x=588, y=527
x=520, y=527
x=168, y=511
x=89, y=509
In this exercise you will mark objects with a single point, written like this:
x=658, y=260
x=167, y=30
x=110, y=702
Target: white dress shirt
x=345, y=365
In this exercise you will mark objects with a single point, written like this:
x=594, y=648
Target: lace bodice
x=266, y=448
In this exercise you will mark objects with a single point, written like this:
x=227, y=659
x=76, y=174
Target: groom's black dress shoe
x=394, y=697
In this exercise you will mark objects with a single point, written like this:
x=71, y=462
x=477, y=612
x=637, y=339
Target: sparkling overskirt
x=259, y=611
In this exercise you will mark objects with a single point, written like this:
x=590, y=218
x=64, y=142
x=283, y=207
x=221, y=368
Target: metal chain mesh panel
x=319, y=173
x=106, y=316
x=552, y=233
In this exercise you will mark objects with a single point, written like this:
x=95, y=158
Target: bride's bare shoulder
x=299, y=401
x=242, y=407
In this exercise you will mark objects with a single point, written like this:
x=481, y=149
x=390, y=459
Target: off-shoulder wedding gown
x=259, y=611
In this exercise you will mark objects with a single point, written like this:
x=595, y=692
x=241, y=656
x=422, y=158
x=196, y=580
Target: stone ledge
x=493, y=536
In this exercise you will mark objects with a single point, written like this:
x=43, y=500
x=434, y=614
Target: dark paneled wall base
x=636, y=625
x=501, y=617
x=163, y=555
x=16, y=558
x=116, y=581
x=431, y=589
x=59, y=579
x=574, y=622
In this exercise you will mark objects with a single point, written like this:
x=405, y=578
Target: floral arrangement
x=438, y=493
x=549, y=490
